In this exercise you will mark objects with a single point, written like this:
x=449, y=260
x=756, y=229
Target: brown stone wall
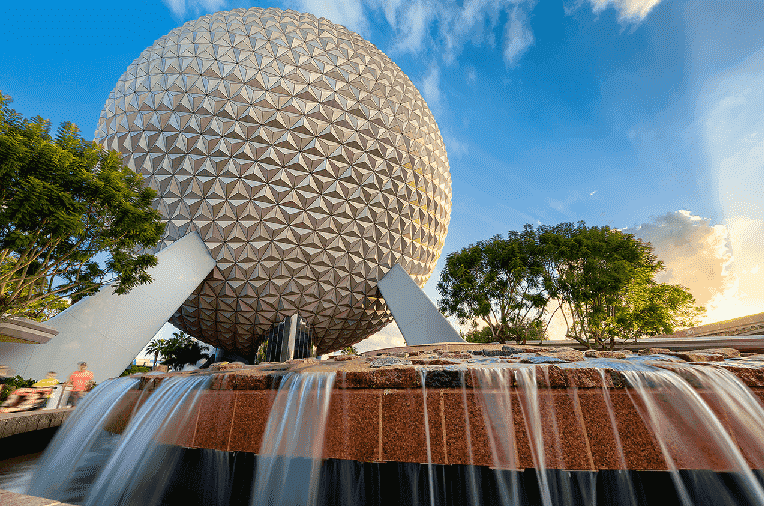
x=379, y=416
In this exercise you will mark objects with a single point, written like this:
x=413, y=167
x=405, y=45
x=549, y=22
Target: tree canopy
x=72, y=218
x=498, y=282
x=600, y=280
x=179, y=350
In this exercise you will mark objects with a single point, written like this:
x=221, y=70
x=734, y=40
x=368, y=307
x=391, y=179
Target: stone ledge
x=28, y=421
x=13, y=499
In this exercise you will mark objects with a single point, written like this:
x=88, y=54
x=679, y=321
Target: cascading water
x=86, y=464
x=522, y=430
x=691, y=436
x=688, y=431
x=290, y=459
x=80, y=446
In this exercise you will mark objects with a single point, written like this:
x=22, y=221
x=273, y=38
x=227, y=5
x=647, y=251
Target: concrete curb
x=19, y=423
x=14, y=499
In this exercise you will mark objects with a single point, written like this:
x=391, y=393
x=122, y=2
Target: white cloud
x=632, y=11
x=518, y=36
x=349, y=13
x=391, y=8
x=416, y=19
x=444, y=28
x=733, y=134
x=719, y=264
x=183, y=8
x=388, y=337
x=455, y=147
x=431, y=87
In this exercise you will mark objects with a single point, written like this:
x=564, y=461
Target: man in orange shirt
x=80, y=381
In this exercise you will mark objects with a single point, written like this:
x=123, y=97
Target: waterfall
x=290, y=456
x=628, y=435
x=79, y=444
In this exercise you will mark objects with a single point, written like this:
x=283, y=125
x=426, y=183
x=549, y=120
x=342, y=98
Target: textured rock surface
x=376, y=411
x=302, y=155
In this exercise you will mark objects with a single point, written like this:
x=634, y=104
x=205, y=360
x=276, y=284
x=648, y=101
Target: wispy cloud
x=431, y=86
x=632, y=11
x=182, y=9
x=455, y=147
x=414, y=19
x=518, y=37
x=349, y=13
x=424, y=25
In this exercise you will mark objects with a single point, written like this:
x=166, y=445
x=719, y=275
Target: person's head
x=83, y=366
x=51, y=374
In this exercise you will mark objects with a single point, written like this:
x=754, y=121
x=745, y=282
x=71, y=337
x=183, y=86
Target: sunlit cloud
x=632, y=11
x=388, y=337
x=719, y=264
x=732, y=129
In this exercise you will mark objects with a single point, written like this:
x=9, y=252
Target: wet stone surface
x=452, y=365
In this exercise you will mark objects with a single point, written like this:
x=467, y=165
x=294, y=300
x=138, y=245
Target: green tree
x=602, y=283
x=65, y=204
x=648, y=308
x=134, y=369
x=499, y=282
x=349, y=350
x=156, y=346
x=181, y=350
x=12, y=384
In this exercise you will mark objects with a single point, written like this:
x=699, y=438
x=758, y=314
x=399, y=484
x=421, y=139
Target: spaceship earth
x=306, y=160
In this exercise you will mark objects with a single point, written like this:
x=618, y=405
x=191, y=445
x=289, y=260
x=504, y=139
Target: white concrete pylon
x=417, y=317
x=107, y=330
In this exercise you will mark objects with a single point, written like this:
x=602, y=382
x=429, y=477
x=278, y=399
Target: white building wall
x=418, y=319
x=107, y=330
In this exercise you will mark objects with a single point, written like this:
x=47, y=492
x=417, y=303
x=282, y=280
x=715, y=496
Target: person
x=80, y=382
x=49, y=381
x=55, y=388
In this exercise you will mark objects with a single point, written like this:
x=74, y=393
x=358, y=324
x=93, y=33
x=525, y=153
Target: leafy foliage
x=499, y=281
x=156, y=346
x=12, y=384
x=529, y=332
x=600, y=280
x=179, y=350
x=349, y=350
x=64, y=204
x=134, y=369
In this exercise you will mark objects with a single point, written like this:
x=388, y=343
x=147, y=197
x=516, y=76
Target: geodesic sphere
x=302, y=155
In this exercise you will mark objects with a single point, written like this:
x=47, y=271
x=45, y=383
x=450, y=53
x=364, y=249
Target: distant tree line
x=601, y=281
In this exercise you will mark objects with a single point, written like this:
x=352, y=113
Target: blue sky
x=639, y=114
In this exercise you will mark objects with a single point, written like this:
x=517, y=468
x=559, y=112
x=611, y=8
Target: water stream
x=289, y=461
x=701, y=418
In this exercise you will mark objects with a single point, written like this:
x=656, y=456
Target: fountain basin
x=592, y=418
